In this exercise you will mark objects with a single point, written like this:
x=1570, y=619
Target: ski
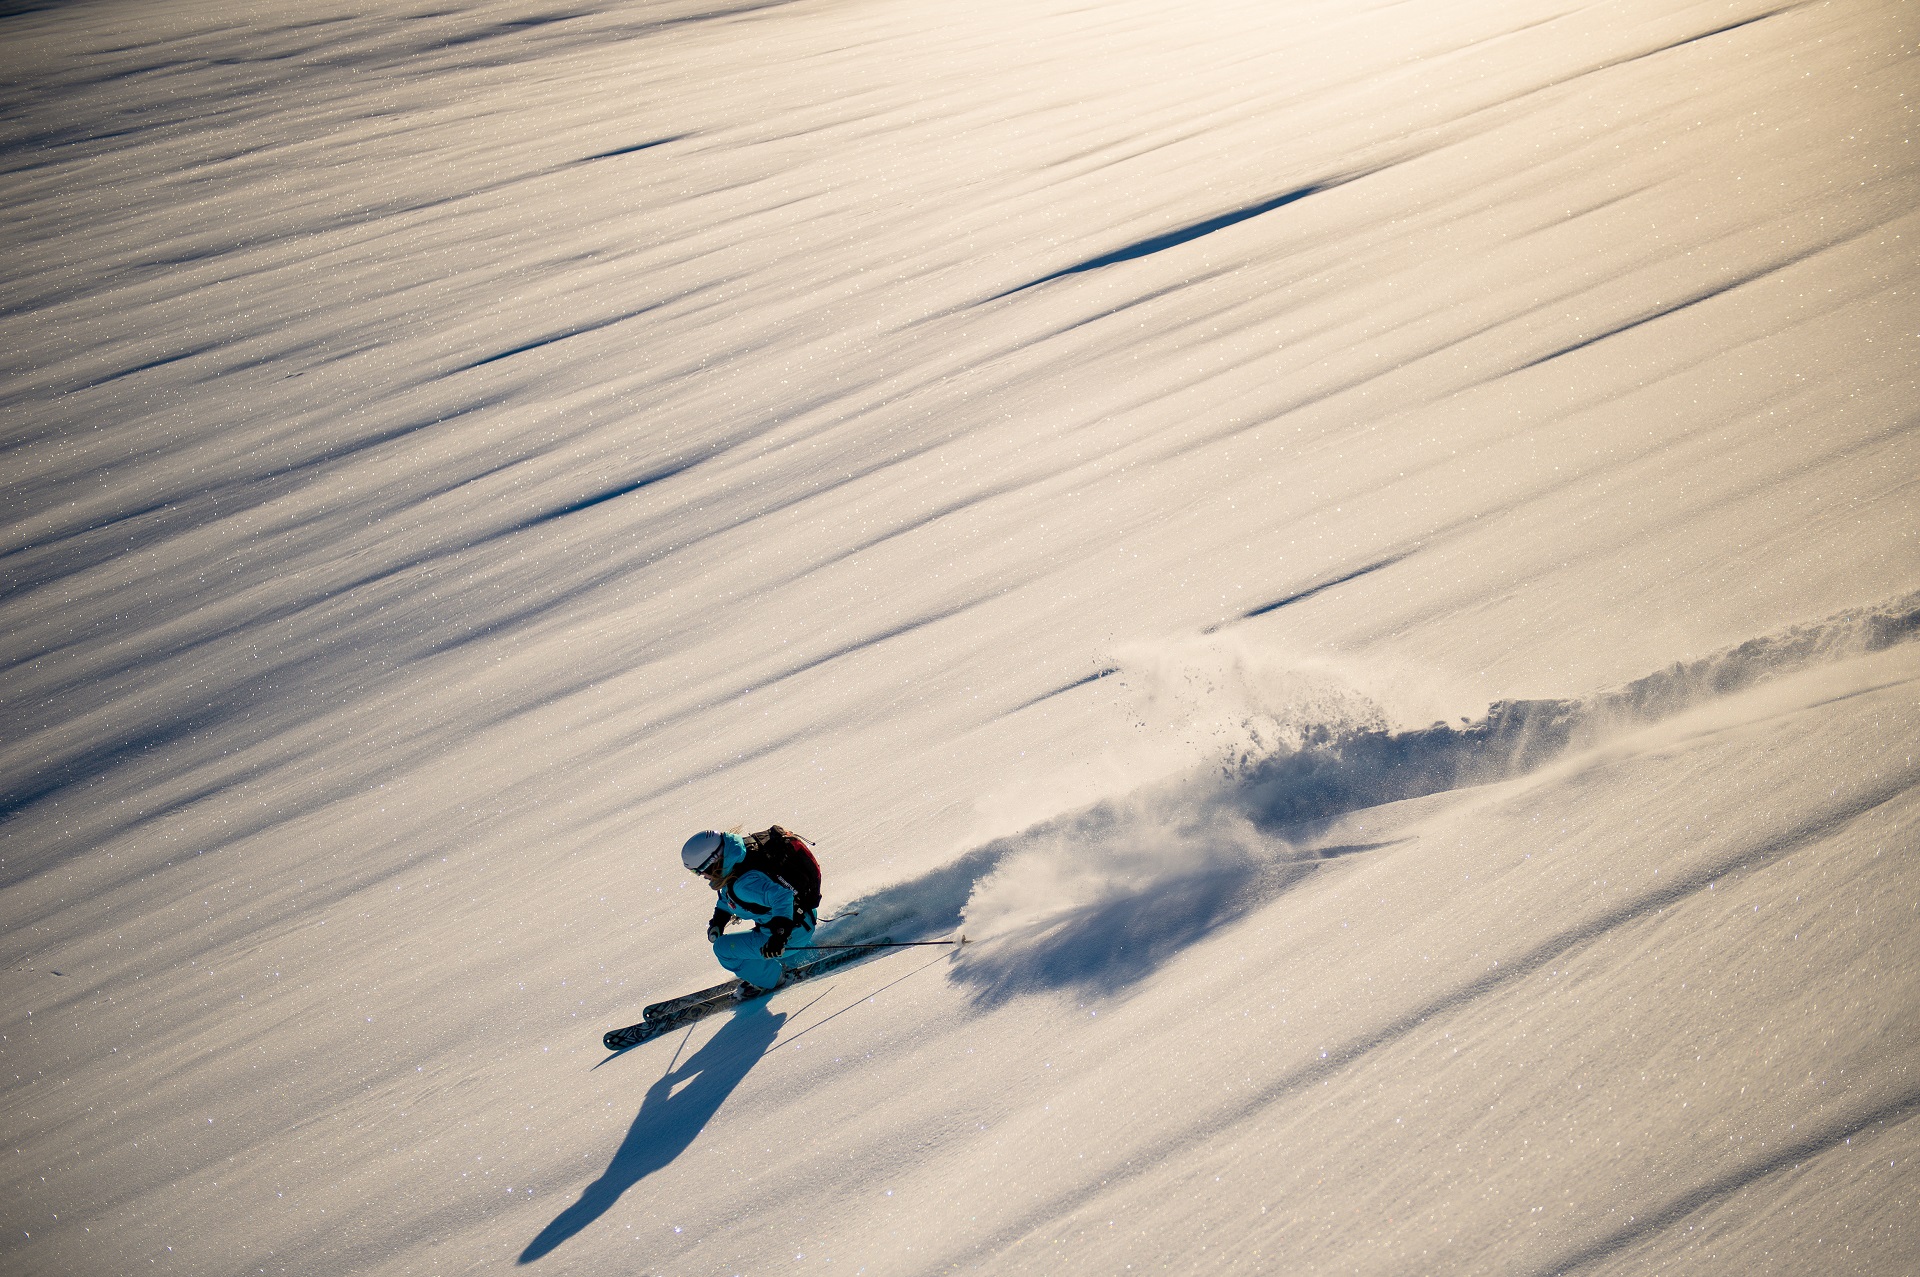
x=674, y=1013
x=647, y=1030
x=660, y=1010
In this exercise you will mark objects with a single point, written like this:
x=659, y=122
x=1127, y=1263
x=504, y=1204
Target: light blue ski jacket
x=752, y=896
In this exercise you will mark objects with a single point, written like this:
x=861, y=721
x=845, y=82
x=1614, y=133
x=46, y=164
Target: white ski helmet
x=700, y=850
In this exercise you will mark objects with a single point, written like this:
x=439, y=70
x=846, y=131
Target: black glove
x=718, y=923
x=777, y=932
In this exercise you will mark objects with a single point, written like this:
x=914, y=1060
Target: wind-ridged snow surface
x=1365, y=554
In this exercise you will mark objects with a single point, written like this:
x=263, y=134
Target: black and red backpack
x=782, y=854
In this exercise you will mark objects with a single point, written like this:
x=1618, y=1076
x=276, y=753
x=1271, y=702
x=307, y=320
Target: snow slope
x=1366, y=555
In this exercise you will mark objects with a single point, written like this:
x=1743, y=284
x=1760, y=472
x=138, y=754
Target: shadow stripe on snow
x=1207, y=226
x=1705, y=295
x=1178, y=236
x=1301, y=596
x=1899, y=1109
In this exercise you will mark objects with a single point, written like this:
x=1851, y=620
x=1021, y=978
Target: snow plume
x=1233, y=701
x=1099, y=899
x=1096, y=899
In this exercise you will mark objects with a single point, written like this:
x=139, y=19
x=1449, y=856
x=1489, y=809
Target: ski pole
x=889, y=944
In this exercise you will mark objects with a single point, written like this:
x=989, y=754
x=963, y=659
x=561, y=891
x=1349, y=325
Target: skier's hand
x=777, y=932
x=718, y=923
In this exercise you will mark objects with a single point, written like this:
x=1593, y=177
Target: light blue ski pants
x=739, y=952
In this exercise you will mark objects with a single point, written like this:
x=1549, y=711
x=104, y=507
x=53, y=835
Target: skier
x=769, y=879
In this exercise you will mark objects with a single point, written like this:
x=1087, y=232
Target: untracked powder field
x=1364, y=556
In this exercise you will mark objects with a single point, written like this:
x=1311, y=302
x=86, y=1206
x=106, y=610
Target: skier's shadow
x=668, y=1120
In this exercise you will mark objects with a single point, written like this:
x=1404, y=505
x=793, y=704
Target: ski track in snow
x=1057, y=457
